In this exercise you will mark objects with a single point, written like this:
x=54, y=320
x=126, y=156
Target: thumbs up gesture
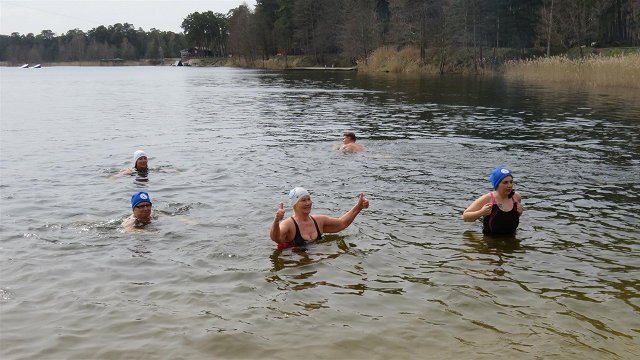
x=279, y=213
x=363, y=202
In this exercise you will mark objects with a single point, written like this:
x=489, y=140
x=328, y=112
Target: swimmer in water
x=141, y=212
x=301, y=228
x=500, y=209
x=140, y=165
x=349, y=143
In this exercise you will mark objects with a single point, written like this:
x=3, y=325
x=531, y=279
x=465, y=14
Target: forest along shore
x=103, y=62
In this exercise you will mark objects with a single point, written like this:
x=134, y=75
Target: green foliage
x=118, y=40
x=446, y=33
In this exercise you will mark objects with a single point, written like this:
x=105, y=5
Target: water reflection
x=487, y=244
x=299, y=257
x=310, y=272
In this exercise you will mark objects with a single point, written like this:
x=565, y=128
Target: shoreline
x=104, y=62
x=596, y=71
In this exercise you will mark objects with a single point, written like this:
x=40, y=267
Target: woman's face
x=506, y=185
x=303, y=205
x=142, y=211
x=141, y=163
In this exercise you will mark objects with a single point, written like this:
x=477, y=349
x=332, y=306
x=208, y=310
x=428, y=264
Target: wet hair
x=350, y=135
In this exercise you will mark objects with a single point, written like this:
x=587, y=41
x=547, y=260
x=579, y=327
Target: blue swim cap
x=139, y=197
x=498, y=174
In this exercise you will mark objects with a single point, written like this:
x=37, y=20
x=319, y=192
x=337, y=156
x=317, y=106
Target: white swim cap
x=137, y=155
x=295, y=194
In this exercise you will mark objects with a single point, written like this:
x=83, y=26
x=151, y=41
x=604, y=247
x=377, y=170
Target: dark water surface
x=408, y=279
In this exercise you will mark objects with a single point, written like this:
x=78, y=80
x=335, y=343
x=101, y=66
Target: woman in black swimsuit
x=302, y=227
x=501, y=208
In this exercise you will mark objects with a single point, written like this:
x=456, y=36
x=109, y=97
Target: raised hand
x=279, y=213
x=363, y=202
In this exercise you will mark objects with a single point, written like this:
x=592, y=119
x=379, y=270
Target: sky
x=30, y=16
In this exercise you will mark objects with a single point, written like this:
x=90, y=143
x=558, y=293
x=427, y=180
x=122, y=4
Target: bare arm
x=333, y=225
x=279, y=229
x=479, y=208
x=127, y=171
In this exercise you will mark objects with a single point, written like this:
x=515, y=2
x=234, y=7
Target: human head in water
x=141, y=206
x=300, y=199
x=140, y=160
x=348, y=138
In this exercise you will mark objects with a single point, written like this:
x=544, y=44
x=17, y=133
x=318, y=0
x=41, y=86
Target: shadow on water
x=492, y=251
x=486, y=244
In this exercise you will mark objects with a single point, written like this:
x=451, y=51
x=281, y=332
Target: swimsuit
x=501, y=222
x=298, y=240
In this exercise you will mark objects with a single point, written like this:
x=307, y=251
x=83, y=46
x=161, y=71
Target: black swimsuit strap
x=298, y=235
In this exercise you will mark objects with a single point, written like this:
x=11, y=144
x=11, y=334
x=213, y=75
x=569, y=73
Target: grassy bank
x=616, y=67
x=456, y=61
x=593, y=71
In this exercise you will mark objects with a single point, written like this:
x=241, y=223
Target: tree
x=417, y=22
x=580, y=22
x=360, y=33
x=207, y=31
x=316, y=25
x=242, y=40
x=265, y=17
x=546, y=23
x=283, y=28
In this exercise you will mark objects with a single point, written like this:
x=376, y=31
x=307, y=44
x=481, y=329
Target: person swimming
x=140, y=166
x=349, y=143
x=302, y=228
x=141, y=212
x=500, y=209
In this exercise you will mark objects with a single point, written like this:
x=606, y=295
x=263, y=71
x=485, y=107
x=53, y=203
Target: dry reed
x=594, y=71
x=388, y=59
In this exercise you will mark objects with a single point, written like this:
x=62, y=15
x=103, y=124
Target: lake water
x=408, y=279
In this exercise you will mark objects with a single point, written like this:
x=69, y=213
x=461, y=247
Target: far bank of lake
x=620, y=68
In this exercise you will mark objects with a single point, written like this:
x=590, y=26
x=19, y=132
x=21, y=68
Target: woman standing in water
x=302, y=227
x=501, y=208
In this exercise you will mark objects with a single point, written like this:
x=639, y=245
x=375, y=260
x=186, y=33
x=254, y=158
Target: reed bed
x=593, y=71
x=388, y=59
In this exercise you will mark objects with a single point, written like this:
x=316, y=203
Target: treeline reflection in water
x=408, y=279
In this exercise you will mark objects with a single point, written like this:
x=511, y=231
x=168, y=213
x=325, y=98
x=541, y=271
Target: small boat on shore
x=24, y=66
x=36, y=66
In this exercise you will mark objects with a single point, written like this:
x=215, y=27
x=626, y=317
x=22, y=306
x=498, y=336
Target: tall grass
x=594, y=71
x=388, y=59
